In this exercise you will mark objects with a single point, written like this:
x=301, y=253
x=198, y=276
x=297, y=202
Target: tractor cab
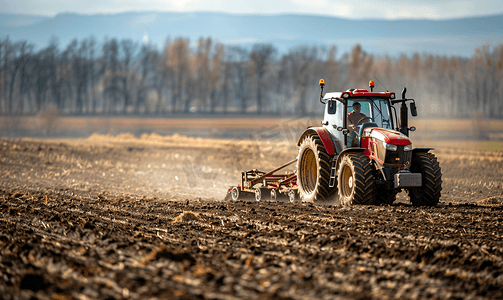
x=346, y=125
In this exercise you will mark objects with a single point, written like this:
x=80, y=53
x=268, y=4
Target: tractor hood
x=388, y=136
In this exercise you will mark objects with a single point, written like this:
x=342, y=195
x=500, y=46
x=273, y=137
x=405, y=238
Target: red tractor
x=369, y=161
x=366, y=160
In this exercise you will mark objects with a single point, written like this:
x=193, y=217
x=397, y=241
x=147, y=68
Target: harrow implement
x=261, y=185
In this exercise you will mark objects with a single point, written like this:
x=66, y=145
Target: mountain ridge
x=378, y=36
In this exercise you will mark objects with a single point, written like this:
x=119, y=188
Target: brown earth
x=119, y=217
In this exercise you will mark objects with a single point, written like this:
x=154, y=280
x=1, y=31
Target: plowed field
x=121, y=217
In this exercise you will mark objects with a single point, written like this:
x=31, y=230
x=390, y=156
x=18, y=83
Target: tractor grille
x=398, y=157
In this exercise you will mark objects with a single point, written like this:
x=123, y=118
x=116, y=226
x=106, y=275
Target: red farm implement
x=261, y=185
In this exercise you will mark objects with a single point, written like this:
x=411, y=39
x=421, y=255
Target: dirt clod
x=187, y=216
x=140, y=218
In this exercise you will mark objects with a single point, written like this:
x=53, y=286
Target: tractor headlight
x=407, y=148
x=390, y=147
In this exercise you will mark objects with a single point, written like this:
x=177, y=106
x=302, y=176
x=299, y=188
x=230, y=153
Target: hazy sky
x=382, y=9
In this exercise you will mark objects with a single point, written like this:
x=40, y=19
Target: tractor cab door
x=334, y=117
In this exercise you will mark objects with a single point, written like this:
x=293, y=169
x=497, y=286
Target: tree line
x=120, y=77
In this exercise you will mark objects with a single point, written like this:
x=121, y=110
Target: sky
x=353, y=9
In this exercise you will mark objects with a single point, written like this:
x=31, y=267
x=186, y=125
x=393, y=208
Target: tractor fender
x=324, y=135
x=348, y=150
x=421, y=150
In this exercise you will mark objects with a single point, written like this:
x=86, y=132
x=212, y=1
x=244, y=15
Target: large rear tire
x=429, y=193
x=313, y=170
x=356, y=180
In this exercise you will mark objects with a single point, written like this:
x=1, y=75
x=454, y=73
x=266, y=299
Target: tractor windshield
x=376, y=108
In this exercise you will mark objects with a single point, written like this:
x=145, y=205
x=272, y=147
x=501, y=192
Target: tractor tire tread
x=428, y=164
x=322, y=190
x=364, y=180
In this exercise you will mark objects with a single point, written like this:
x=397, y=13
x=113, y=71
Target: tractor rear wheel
x=356, y=180
x=429, y=193
x=313, y=170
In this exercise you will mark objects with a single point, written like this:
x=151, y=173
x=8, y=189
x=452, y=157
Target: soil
x=125, y=217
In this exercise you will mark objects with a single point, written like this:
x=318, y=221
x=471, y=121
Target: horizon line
x=253, y=14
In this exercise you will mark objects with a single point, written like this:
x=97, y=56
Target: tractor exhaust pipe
x=404, y=115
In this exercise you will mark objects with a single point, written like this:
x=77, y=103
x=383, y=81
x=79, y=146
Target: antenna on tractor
x=322, y=85
x=381, y=83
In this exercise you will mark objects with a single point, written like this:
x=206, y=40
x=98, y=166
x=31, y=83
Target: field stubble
x=140, y=217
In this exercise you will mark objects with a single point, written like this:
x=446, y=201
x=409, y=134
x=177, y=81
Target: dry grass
x=491, y=201
x=125, y=123
x=187, y=216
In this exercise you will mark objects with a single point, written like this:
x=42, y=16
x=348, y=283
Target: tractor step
x=333, y=173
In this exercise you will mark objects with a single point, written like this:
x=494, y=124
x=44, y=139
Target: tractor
x=364, y=161
x=367, y=162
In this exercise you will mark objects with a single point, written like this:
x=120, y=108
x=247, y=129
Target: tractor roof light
x=322, y=82
x=371, y=85
x=345, y=95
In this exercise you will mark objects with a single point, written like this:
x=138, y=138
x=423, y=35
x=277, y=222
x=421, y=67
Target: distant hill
x=392, y=37
x=8, y=21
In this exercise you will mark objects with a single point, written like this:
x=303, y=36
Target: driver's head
x=357, y=107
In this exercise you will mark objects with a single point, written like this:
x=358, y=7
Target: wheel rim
x=347, y=181
x=291, y=195
x=273, y=194
x=235, y=194
x=258, y=194
x=309, y=171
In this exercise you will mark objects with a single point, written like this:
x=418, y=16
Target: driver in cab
x=354, y=117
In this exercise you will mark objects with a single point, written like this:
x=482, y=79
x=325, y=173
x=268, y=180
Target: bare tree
x=237, y=60
x=260, y=57
x=200, y=76
x=145, y=82
x=217, y=69
x=301, y=62
x=11, y=65
x=178, y=62
x=162, y=75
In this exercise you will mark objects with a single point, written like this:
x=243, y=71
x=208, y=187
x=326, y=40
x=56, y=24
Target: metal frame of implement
x=280, y=183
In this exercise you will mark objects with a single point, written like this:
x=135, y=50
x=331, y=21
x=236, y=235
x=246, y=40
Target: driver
x=354, y=117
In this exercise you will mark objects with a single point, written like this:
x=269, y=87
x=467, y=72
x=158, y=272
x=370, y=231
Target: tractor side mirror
x=413, y=110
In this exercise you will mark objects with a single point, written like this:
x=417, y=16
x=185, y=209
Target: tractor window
x=378, y=109
x=381, y=114
x=331, y=107
x=365, y=106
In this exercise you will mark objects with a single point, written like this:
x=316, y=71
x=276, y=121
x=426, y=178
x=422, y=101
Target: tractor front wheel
x=429, y=193
x=313, y=170
x=356, y=181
